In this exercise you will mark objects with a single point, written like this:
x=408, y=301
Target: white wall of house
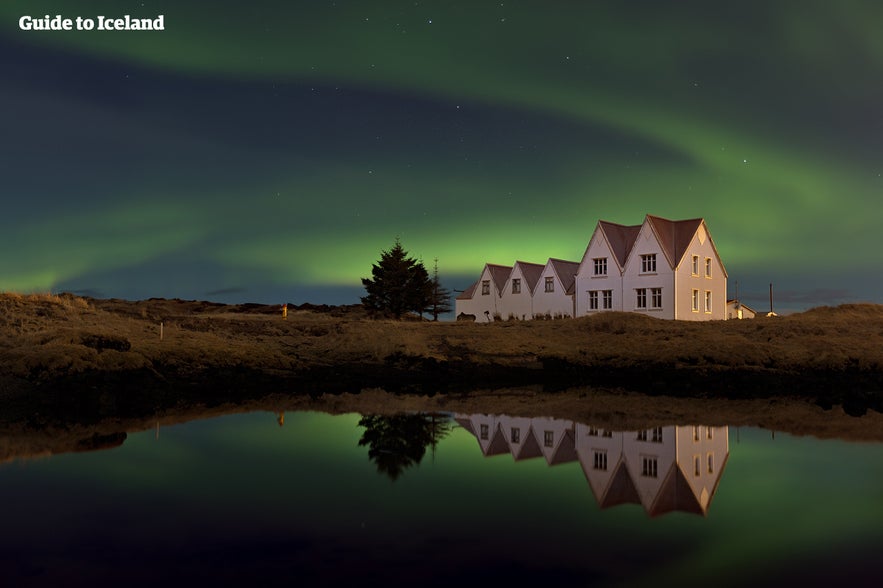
x=484, y=298
x=701, y=282
x=516, y=304
x=555, y=302
x=587, y=280
x=636, y=277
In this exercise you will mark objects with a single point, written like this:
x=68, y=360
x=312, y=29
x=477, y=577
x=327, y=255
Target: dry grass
x=46, y=336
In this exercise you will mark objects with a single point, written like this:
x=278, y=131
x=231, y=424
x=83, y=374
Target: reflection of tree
x=399, y=441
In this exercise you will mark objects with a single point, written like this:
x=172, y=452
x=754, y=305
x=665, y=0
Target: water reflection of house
x=663, y=469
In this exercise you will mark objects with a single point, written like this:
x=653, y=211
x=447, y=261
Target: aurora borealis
x=267, y=151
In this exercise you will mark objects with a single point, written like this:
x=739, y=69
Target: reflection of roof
x=498, y=443
x=621, y=238
x=566, y=450
x=675, y=494
x=531, y=273
x=566, y=272
x=620, y=490
x=674, y=236
x=530, y=448
x=466, y=424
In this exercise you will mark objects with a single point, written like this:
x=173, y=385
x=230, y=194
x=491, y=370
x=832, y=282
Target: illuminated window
x=695, y=300
x=599, y=460
x=484, y=432
x=548, y=438
x=641, y=301
x=695, y=265
x=485, y=287
x=607, y=299
x=550, y=284
x=649, y=467
x=656, y=297
x=648, y=263
x=593, y=300
x=516, y=286
x=516, y=435
x=600, y=266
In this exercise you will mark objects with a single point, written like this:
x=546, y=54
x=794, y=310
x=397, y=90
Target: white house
x=483, y=298
x=669, y=269
x=662, y=268
x=518, y=291
x=737, y=310
x=554, y=293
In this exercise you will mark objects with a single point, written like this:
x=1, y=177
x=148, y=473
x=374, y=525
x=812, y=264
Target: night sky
x=267, y=151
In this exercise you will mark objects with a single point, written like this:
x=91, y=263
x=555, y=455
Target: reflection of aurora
x=663, y=469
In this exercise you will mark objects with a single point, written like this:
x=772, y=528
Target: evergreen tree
x=400, y=284
x=440, y=300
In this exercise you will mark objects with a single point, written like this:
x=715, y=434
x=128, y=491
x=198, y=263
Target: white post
x=160, y=330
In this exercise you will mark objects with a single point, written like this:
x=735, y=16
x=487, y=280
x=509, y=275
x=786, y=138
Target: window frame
x=593, y=300
x=641, y=298
x=607, y=299
x=599, y=266
x=549, y=284
x=656, y=298
x=516, y=285
x=648, y=263
x=485, y=287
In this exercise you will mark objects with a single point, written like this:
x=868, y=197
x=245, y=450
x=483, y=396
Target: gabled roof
x=674, y=236
x=566, y=272
x=499, y=273
x=468, y=292
x=531, y=273
x=620, y=238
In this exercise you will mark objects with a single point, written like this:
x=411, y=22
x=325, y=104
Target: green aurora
x=272, y=149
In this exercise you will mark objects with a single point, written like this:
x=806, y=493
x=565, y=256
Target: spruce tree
x=398, y=284
x=440, y=301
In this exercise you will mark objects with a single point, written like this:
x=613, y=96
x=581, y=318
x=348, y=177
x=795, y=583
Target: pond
x=315, y=499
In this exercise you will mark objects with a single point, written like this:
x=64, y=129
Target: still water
x=313, y=499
